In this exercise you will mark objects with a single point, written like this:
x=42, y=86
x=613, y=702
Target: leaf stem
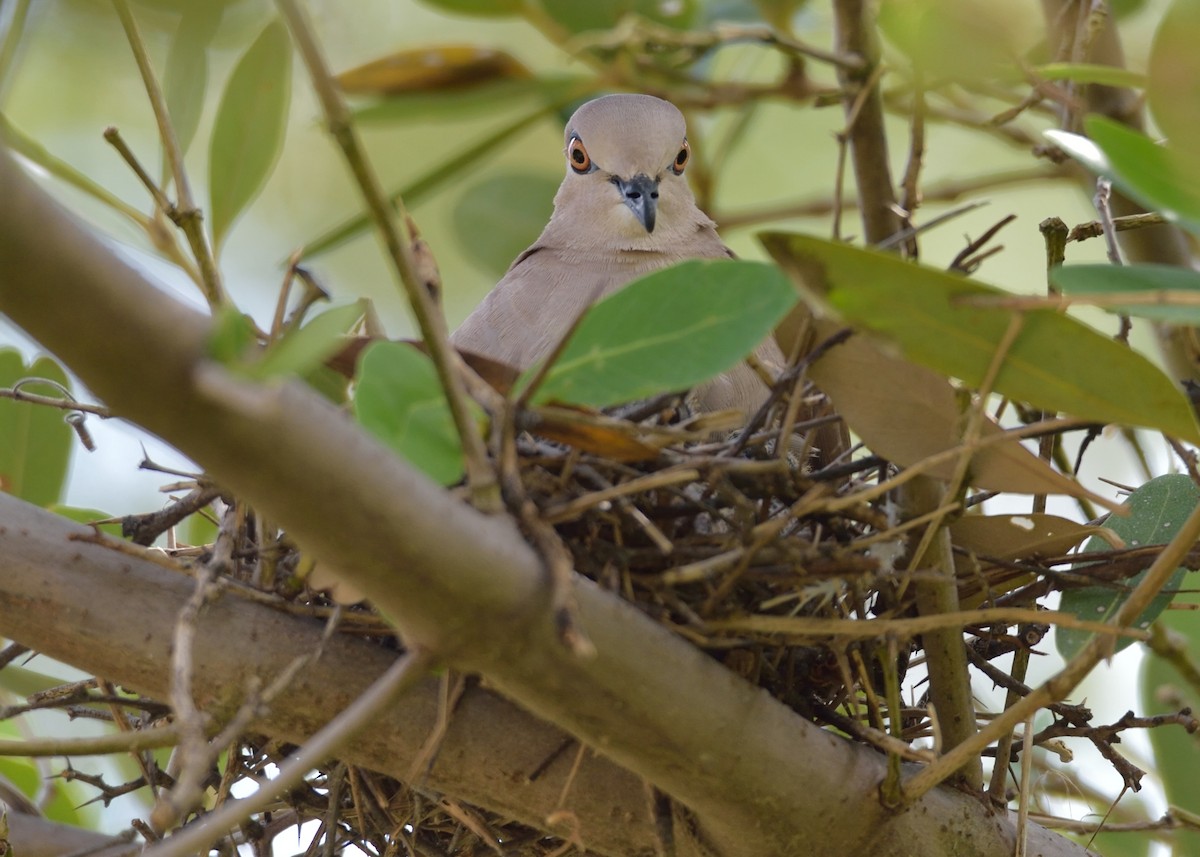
x=184, y=213
x=481, y=477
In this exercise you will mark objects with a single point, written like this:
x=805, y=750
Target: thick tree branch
x=114, y=615
x=459, y=583
x=31, y=836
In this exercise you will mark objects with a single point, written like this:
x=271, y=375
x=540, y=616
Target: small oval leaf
x=399, y=399
x=185, y=80
x=1156, y=512
x=299, y=352
x=481, y=8
x=669, y=330
x=249, y=128
x=498, y=217
x=1173, y=294
x=36, y=445
x=433, y=68
x=579, y=17
x=1158, y=177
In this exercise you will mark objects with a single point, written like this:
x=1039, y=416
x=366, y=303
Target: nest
x=765, y=548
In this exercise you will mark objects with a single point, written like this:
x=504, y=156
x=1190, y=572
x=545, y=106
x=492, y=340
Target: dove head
x=625, y=187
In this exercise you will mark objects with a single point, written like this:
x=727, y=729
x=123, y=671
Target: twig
x=950, y=683
x=1102, y=200
x=910, y=199
x=184, y=213
x=996, y=789
x=480, y=476
x=803, y=629
x=946, y=191
x=1055, y=236
x=905, y=235
x=964, y=262
x=855, y=36
x=409, y=669
x=98, y=745
x=1026, y=792
x=1173, y=648
x=144, y=529
x=1150, y=297
x=1095, y=229
x=1064, y=681
x=67, y=404
x=1175, y=819
x=452, y=686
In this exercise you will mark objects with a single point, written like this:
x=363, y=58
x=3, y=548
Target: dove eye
x=681, y=159
x=581, y=161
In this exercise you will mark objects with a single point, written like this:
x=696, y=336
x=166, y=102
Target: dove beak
x=641, y=195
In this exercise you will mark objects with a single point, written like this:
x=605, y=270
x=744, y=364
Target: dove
x=624, y=209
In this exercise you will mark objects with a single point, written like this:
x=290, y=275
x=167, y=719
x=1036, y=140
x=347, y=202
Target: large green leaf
x=248, y=131
x=1156, y=512
x=501, y=215
x=1156, y=176
x=399, y=399
x=186, y=78
x=1055, y=362
x=670, y=330
x=1159, y=279
x=35, y=442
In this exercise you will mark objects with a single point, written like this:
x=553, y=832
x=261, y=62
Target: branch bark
x=755, y=778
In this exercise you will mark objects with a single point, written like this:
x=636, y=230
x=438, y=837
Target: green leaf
x=1156, y=512
x=1174, y=88
x=667, y=331
x=232, y=337
x=1055, y=362
x=399, y=399
x=36, y=446
x=1159, y=280
x=21, y=772
x=446, y=172
x=498, y=217
x=1164, y=691
x=301, y=351
x=481, y=8
x=480, y=99
x=956, y=39
x=579, y=17
x=1107, y=75
x=248, y=131
x=86, y=516
x=35, y=152
x=185, y=80
x=1154, y=175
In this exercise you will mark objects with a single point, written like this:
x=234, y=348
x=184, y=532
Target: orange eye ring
x=577, y=156
x=681, y=160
